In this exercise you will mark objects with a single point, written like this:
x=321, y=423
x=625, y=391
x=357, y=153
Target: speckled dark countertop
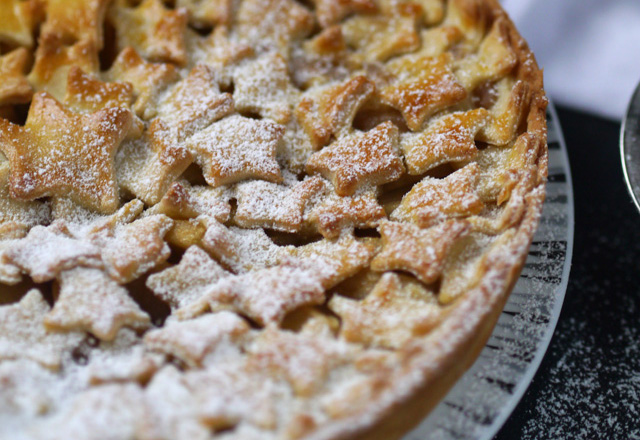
x=588, y=385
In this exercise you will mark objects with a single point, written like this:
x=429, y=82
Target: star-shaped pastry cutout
x=123, y=359
x=89, y=300
x=330, y=111
x=18, y=20
x=76, y=20
x=359, y=160
x=23, y=335
x=263, y=86
x=303, y=360
x=10, y=233
x=447, y=139
x=154, y=31
x=334, y=214
x=378, y=37
x=14, y=89
x=48, y=250
x=273, y=23
x=148, y=79
x=330, y=12
x=237, y=148
x=242, y=250
x=432, y=200
x=507, y=113
x=195, y=102
x=230, y=394
x=86, y=94
x=321, y=58
x=186, y=282
x=495, y=58
x=220, y=53
x=54, y=59
x=273, y=206
x=419, y=251
x=267, y=295
x=206, y=13
x=193, y=340
x=59, y=153
x=333, y=261
x=373, y=321
x=421, y=86
x=186, y=201
x=19, y=211
x=148, y=166
x=135, y=248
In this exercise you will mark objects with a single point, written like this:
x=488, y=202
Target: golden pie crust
x=256, y=219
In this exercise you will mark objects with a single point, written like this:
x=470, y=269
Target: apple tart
x=256, y=219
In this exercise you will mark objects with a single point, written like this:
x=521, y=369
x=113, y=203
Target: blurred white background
x=589, y=49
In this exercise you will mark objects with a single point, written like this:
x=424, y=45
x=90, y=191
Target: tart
x=256, y=219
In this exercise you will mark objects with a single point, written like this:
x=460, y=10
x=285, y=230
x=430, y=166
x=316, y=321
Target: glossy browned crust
x=435, y=363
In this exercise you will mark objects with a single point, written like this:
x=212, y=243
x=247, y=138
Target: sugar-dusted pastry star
x=207, y=12
x=335, y=214
x=472, y=18
x=89, y=300
x=18, y=21
x=59, y=153
x=195, y=102
x=171, y=410
x=241, y=250
x=263, y=86
x=301, y=359
x=148, y=166
x=154, y=31
x=330, y=111
x=76, y=20
x=295, y=148
x=220, y=53
x=19, y=211
x=148, y=79
x=14, y=89
x=273, y=23
x=433, y=200
x=266, y=295
x=507, y=113
x=48, y=250
x=237, y=148
x=10, y=232
x=418, y=251
x=447, y=139
x=186, y=282
x=185, y=201
x=87, y=94
x=135, y=248
x=123, y=359
x=333, y=261
x=231, y=394
x=54, y=59
x=494, y=60
x=273, y=206
x=359, y=160
x=115, y=409
x=330, y=12
x=23, y=335
x=193, y=340
x=320, y=59
x=378, y=37
x=421, y=86
x=373, y=321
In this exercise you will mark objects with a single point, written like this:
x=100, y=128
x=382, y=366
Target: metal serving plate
x=630, y=147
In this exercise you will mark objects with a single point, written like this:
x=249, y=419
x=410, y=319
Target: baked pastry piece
x=258, y=219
